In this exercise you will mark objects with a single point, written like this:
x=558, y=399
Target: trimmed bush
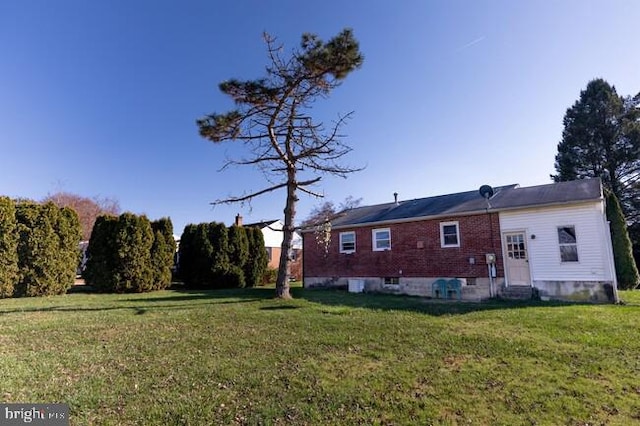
x=101, y=259
x=48, y=249
x=120, y=254
x=238, y=251
x=234, y=277
x=219, y=238
x=8, y=247
x=186, y=254
x=270, y=275
x=214, y=256
x=258, y=258
x=196, y=254
x=162, y=253
x=626, y=270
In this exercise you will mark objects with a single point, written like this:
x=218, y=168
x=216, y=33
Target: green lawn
x=326, y=357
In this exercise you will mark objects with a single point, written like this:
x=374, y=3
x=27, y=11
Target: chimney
x=238, y=220
x=395, y=197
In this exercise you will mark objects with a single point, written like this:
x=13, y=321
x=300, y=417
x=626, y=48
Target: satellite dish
x=486, y=191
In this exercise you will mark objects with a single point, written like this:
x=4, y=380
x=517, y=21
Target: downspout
x=490, y=266
x=302, y=234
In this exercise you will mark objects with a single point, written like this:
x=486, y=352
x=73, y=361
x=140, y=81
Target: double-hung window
x=449, y=234
x=381, y=239
x=568, y=243
x=347, y=242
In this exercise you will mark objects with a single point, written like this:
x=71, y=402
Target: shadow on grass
x=434, y=307
x=137, y=310
x=375, y=301
x=279, y=308
x=181, y=298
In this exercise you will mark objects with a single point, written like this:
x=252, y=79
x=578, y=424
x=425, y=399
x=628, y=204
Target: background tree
x=273, y=117
x=601, y=138
x=88, y=209
x=327, y=210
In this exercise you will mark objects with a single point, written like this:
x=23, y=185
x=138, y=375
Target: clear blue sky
x=100, y=98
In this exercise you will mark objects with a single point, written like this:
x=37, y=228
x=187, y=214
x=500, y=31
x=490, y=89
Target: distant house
x=273, y=236
x=550, y=240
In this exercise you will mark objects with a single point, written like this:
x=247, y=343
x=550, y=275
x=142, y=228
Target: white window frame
x=342, y=249
x=374, y=239
x=442, y=241
x=560, y=245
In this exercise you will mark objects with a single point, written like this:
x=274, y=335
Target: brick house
x=550, y=239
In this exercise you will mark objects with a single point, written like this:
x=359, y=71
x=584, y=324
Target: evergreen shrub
x=8, y=247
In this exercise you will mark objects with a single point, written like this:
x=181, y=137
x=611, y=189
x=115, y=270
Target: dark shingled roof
x=504, y=198
x=554, y=193
x=260, y=225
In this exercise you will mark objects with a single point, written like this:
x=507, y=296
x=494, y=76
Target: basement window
x=568, y=244
x=391, y=281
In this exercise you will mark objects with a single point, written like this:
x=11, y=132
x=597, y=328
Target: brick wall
x=415, y=251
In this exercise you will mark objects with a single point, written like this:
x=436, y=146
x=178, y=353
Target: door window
x=515, y=246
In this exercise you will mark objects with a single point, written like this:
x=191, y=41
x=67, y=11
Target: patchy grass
x=325, y=357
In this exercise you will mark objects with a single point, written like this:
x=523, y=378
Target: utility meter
x=491, y=258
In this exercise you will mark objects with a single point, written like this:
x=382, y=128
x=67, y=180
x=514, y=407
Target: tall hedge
x=120, y=254
x=238, y=255
x=214, y=256
x=162, y=252
x=256, y=265
x=186, y=254
x=101, y=257
x=626, y=270
x=196, y=254
x=219, y=238
x=48, y=249
x=204, y=255
x=8, y=247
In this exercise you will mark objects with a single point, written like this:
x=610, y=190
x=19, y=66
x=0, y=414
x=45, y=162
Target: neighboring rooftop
x=260, y=225
x=504, y=198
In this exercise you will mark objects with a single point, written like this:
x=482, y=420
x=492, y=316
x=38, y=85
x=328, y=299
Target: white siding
x=544, y=252
x=273, y=236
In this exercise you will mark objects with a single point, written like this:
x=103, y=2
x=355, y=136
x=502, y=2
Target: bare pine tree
x=273, y=118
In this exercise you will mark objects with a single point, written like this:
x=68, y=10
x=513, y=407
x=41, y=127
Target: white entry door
x=517, y=260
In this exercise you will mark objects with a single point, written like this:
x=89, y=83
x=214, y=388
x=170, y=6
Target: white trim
x=442, y=242
x=505, y=256
x=354, y=242
x=374, y=240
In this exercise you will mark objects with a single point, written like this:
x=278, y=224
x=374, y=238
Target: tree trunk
x=284, y=269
